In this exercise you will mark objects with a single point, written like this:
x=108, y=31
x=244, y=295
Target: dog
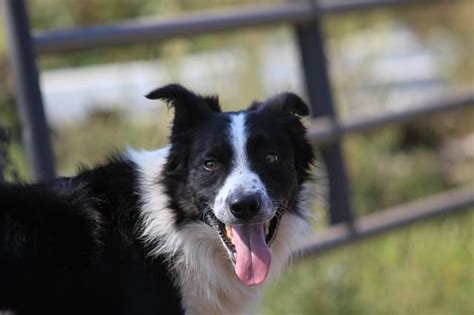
x=197, y=227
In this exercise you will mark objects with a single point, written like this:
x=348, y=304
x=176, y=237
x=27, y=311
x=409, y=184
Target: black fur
x=70, y=247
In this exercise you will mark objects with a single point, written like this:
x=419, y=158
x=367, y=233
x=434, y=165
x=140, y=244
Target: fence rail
x=451, y=202
x=325, y=128
x=136, y=32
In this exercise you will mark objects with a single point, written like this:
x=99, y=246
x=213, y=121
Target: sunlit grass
x=424, y=269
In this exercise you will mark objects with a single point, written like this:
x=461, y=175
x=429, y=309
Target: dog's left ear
x=190, y=108
x=285, y=103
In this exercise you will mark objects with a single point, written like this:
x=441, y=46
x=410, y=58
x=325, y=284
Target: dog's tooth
x=228, y=231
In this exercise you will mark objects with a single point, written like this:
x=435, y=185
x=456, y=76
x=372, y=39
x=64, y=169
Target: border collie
x=194, y=228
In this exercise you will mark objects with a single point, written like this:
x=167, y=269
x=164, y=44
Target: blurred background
x=380, y=61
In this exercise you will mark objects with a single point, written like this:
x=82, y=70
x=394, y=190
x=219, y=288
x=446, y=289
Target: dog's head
x=239, y=172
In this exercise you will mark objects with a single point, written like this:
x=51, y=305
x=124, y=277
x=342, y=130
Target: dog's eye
x=210, y=165
x=271, y=158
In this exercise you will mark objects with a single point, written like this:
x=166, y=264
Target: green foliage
x=382, y=176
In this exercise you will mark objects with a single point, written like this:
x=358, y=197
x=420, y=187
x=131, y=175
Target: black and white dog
x=193, y=228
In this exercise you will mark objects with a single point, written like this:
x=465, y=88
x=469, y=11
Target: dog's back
x=70, y=247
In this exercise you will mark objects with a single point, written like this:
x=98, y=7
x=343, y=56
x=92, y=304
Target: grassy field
x=423, y=269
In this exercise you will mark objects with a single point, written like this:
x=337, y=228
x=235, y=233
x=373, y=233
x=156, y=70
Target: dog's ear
x=285, y=103
x=189, y=107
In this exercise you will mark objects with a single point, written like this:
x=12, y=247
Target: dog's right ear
x=285, y=103
x=189, y=107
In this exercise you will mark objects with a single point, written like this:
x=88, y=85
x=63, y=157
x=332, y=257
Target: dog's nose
x=245, y=207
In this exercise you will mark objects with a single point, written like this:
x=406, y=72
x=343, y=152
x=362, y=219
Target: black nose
x=245, y=207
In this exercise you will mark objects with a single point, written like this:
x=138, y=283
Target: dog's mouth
x=248, y=246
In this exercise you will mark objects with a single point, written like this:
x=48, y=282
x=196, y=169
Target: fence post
x=29, y=102
x=311, y=44
x=3, y=152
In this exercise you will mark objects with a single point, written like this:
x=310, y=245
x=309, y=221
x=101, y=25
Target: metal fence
x=325, y=130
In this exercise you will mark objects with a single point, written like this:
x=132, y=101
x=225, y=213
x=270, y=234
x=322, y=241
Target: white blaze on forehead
x=238, y=134
x=241, y=178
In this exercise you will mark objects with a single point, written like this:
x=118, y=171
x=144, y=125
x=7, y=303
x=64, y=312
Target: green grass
x=382, y=175
x=423, y=269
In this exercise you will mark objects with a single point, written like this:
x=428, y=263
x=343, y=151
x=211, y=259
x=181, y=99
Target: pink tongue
x=253, y=255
